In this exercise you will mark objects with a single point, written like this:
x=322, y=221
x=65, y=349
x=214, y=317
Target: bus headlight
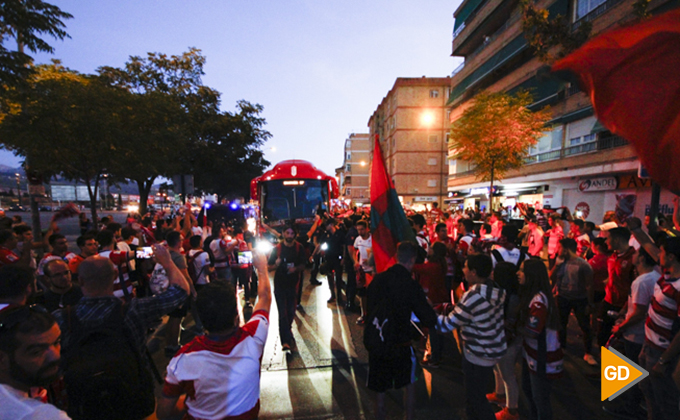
x=264, y=247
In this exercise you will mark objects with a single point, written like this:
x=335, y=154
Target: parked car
x=45, y=208
x=17, y=207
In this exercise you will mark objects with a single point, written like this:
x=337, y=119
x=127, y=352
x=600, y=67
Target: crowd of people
x=73, y=326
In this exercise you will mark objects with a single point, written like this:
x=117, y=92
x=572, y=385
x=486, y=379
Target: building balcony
x=596, y=146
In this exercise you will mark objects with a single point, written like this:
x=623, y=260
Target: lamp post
x=18, y=186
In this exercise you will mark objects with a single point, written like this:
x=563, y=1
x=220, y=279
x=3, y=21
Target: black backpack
x=191, y=267
x=104, y=374
x=379, y=329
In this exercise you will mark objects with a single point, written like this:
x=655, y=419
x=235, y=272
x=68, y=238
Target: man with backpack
x=391, y=298
x=507, y=250
x=103, y=353
x=288, y=259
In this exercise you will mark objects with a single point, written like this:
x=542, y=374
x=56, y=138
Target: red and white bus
x=293, y=190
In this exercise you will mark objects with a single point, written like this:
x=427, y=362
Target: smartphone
x=245, y=257
x=144, y=253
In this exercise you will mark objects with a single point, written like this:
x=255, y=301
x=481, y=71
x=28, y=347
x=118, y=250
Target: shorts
x=395, y=370
x=181, y=312
x=361, y=291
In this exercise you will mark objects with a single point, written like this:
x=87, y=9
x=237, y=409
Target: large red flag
x=633, y=77
x=389, y=225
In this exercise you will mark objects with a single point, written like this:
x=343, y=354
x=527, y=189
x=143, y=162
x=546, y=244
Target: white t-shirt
x=641, y=292
x=16, y=405
x=201, y=264
x=224, y=377
x=363, y=245
x=511, y=256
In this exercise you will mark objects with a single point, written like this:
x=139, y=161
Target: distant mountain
x=4, y=169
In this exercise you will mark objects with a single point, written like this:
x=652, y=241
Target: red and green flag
x=633, y=77
x=389, y=225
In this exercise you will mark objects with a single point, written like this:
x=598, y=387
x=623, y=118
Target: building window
x=348, y=191
x=431, y=182
x=394, y=142
x=348, y=168
x=434, y=93
x=588, y=138
x=432, y=162
x=348, y=144
x=583, y=7
x=433, y=139
x=349, y=156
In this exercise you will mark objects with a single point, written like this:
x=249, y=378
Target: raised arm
x=264, y=288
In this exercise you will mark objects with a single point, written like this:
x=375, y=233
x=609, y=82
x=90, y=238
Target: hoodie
x=480, y=317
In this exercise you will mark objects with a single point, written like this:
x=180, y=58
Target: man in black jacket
x=396, y=368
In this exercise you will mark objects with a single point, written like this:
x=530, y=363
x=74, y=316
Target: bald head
x=96, y=275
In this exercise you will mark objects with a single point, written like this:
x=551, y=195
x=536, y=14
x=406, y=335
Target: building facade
x=412, y=124
x=353, y=174
x=579, y=164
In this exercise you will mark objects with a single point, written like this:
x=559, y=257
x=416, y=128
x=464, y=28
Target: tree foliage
x=229, y=155
x=67, y=124
x=496, y=132
x=26, y=22
x=551, y=37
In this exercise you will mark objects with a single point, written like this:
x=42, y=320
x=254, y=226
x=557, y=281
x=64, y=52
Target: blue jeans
x=537, y=390
x=659, y=390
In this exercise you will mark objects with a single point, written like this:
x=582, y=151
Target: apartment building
x=412, y=124
x=579, y=164
x=353, y=174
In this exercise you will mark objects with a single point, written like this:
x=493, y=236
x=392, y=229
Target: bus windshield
x=299, y=200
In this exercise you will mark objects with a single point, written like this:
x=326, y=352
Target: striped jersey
x=221, y=378
x=120, y=260
x=538, y=317
x=480, y=316
x=663, y=313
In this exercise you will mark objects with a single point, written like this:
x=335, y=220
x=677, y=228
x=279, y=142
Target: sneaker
x=299, y=307
x=285, y=347
x=360, y=320
x=496, y=399
x=315, y=282
x=590, y=359
x=332, y=299
x=505, y=414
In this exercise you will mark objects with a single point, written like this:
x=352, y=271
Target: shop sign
x=428, y=199
x=633, y=181
x=597, y=184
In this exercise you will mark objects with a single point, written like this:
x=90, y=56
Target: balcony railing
x=488, y=40
x=600, y=144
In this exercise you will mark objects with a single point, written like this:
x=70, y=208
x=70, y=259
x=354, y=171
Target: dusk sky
x=320, y=68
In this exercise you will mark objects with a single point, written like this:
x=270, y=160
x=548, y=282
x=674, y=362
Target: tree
x=26, y=21
x=228, y=156
x=551, y=37
x=175, y=101
x=496, y=132
x=80, y=144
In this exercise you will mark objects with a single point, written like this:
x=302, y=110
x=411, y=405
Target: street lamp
x=18, y=186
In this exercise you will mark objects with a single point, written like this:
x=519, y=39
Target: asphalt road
x=324, y=376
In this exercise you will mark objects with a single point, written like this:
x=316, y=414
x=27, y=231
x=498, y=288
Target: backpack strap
x=522, y=257
x=497, y=255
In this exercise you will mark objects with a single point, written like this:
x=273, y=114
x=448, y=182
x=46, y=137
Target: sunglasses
x=12, y=317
